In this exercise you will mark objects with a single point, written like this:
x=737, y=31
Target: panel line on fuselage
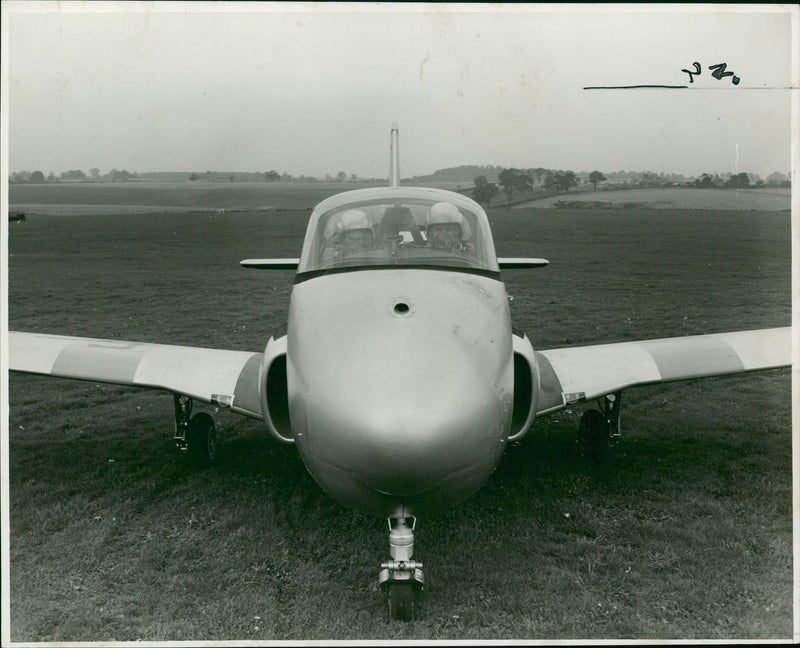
x=300, y=277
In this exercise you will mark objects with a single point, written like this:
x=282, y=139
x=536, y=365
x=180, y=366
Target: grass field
x=767, y=199
x=685, y=533
x=121, y=197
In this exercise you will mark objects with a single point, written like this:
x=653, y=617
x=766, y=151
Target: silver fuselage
x=400, y=385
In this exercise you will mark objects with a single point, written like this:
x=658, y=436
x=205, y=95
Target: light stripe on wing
x=596, y=370
x=209, y=375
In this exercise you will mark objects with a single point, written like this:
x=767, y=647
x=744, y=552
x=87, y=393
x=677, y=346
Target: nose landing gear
x=401, y=578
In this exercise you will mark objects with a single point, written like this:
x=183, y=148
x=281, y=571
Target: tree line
x=115, y=175
x=517, y=181
x=73, y=175
x=489, y=181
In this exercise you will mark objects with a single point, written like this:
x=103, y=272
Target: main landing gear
x=196, y=435
x=401, y=578
x=599, y=428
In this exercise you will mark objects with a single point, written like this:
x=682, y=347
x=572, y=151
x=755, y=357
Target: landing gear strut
x=196, y=435
x=599, y=428
x=401, y=577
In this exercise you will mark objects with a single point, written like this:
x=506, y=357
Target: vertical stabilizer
x=394, y=157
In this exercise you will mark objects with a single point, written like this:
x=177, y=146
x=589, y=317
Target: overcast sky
x=313, y=89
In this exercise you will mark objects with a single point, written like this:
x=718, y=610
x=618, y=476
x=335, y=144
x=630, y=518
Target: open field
x=119, y=197
x=678, y=198
x=114, y=198
x=685, y=533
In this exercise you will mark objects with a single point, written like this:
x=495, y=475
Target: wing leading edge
x=229, y=378
x=583, y=373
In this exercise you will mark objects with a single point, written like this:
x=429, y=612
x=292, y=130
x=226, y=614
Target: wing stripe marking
x=550, y=389
x=187, y=371
x=761, y=349
x=246, y=391
x=693, y=357
x=101, y=361
x=602, y=369
x=34, y=352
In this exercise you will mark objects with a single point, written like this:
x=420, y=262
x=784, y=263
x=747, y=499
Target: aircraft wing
x=575, y=374
x=229, y=378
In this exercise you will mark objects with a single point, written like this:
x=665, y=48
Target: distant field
x=153, y=197
x=685, y=534
x=679, y=198
x=150, y=197
x=115, y=198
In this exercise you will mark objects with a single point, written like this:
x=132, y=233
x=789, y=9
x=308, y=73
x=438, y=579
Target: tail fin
x=394, y=157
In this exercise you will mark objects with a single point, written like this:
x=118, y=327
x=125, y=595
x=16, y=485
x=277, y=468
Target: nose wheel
x=401, y=598
x=401, y=578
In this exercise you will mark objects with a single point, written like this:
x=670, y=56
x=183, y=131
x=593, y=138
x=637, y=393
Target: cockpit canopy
x=398, y=226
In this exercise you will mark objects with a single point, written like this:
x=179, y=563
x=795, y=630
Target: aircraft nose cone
x=406, y=421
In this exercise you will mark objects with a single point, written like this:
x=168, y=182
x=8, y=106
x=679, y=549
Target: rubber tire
x=594, y=436
x=401, y=601
x=201, y=440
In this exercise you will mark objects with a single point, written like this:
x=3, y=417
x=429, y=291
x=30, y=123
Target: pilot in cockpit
x=447, y=228
x=353, y=232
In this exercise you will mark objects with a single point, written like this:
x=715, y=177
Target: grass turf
x=684, y=533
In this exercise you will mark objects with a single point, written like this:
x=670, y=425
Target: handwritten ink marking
x=698, y=69
x=719, y=72
x=633, y=87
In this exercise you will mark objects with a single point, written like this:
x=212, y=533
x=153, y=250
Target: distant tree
x=353, y=177
x=775, y=179
x=52, y=177
x=193, y=178
x=595, y=177
x=560, y=180
x=649, y=179
x=484, y=191
x=704, y=181
x=73, y=174
x=287, y=177
x=115, y=175
x=539, y=173
x=36, y=177
x=514, y=180
x=341, y=176
x=19, y=177
x=231, y=178
x=738, y=181
x=272, y=176
x=95, y=173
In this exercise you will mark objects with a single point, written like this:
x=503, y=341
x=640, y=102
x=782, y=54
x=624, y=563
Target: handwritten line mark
x=697, y=69
x=632, y=87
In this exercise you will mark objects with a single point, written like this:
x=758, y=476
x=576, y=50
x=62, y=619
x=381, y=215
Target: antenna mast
x=394, y=157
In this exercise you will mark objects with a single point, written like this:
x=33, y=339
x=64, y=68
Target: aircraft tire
x=201, y=439
x=401, y=601
x=593, y=436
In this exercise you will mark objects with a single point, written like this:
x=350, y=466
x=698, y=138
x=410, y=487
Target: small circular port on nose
x=401, y=308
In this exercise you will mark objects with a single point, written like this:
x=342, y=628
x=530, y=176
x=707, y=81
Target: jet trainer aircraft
x=399, y=379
